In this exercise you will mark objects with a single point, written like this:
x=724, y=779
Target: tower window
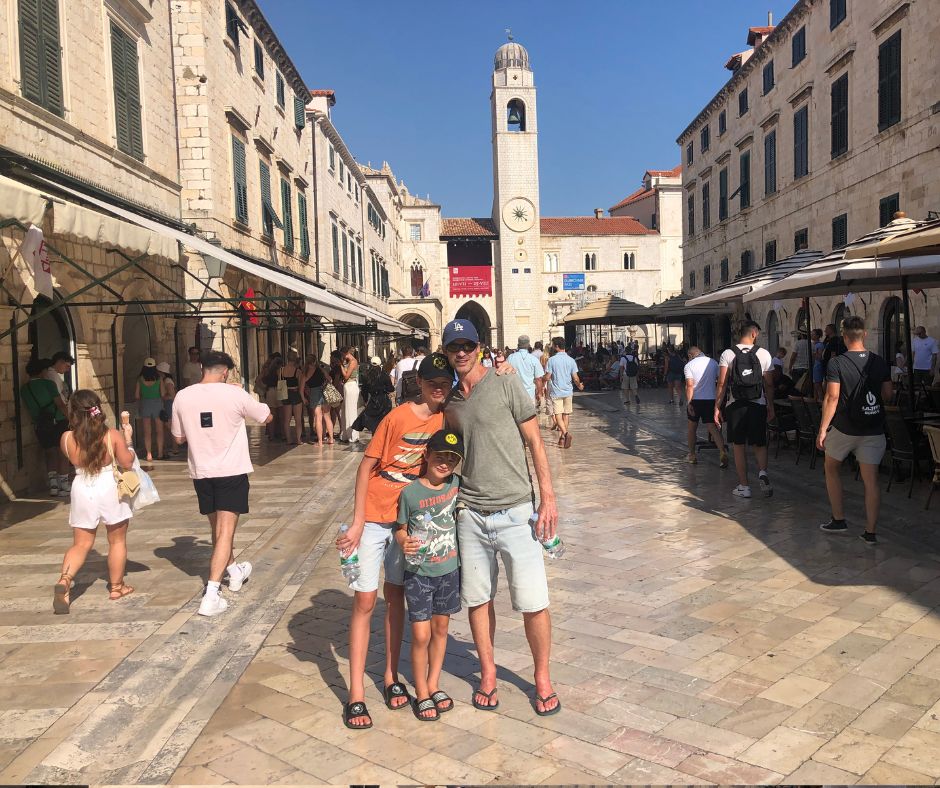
x=590, y=261
x=629, y=261
x=515, y=115
x=551, y=262
x=414, y=232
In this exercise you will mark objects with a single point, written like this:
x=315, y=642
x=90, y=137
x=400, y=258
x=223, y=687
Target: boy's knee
x=421, y=633
x=439, y=625
x=364, y=602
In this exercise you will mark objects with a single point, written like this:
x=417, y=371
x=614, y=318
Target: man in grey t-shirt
x=497, y=419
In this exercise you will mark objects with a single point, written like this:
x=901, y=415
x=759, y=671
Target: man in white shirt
x=701, y=382
x=528, y=367
x=61, y=364
x=745, y=376
x=925, y=356
x=541, y=395
x=192, y=369
x=629, y=375
x=408, y=363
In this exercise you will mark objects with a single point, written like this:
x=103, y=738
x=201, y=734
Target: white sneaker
x=237, y=578
x=212, y=605
x=766, y=487
x=742, y=491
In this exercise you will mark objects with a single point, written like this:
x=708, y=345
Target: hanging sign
x=572, y=281
x=35, y=253
x=471, y=280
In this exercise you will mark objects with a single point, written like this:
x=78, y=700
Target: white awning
x=318, y=301
x=22, y=203
x=738, y=290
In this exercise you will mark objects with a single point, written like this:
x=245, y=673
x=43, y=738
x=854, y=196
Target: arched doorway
x=52, y=333
x=892, y=327
x=724, y=331
x=476, y=314
x=137, y=338
x=419, y=322
x=841, y=313
x=773, y=332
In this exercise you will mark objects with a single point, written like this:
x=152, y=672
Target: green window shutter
x=287, y=213
x=335, y=250
x=40, y=53
x=124, y=68
x=299, y=119
x=240, y=176
x=279, y=84
x=304, y=230
x=267, y=224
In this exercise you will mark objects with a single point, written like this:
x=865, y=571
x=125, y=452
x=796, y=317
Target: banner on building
x=572, y=281
x=36, y=255
x=248, y=306
x=471, y=280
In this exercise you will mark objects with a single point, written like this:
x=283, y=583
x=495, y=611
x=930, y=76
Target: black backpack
x=633, y=368
x=410, y=388
x=747, y=376
x=864, y=406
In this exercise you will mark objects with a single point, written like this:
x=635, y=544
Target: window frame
x=707, y=275
x=303, y=223
x=590, y=261
x=840, y=231
x=747, y=262
x=885, y=215
x=837, y=13
x=890, y=84
x=770, y=163
x=722, y=194
x=704, y=138
x=800, y=239
x=768, y=69
x=839, y=116
x=706, y=206
x=743, y=103
x=798, y=47
x=240, y=186
x=723, y=270
x=722, y=122
x=259, y=60
x=335, y=234
x=287, y=214
x=690, y=212
x=744, y=182
x=629, y=261
x=280, y=90
x=415, y=232
x=801, y=142
x=45, y=30
x=125, y=78
x=770, y=252
x=689, y=153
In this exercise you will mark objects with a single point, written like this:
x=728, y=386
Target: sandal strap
x=426, y=705
x=396, y=689
x=357, y=709
x=440, y=696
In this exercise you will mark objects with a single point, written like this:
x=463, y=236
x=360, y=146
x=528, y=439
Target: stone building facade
x=86, y=99
x=826, y=127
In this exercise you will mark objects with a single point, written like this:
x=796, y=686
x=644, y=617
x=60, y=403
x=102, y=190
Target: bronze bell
x=515, y=118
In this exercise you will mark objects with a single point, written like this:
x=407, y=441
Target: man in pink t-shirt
x=210, y=416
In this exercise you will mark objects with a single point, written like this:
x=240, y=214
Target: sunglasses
x=461, y=347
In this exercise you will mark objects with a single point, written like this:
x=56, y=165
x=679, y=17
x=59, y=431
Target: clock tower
x=517, y=266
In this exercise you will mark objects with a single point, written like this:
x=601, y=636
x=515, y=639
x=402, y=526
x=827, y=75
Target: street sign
x=572, y=281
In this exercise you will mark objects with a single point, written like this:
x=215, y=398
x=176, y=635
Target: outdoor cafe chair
x=805, y=434
x=902, y=448
x=781, y=426
x=933, y=437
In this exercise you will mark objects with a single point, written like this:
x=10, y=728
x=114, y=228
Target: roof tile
x=589, y=225
x=639, y=194
x=468, y=228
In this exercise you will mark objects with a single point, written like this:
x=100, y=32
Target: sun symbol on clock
x=520, y=213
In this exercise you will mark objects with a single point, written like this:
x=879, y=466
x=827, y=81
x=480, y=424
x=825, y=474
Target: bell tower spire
x=515, y=193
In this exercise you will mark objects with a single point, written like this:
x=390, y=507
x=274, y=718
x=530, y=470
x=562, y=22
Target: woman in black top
x=317, y=411
x=293, y=405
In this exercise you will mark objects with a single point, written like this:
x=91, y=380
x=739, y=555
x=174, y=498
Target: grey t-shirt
x=495, y=473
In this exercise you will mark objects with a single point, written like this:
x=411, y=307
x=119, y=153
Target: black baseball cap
x=435, y=365
x=446, y=441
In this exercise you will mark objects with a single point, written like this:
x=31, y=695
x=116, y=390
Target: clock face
x=519, y=214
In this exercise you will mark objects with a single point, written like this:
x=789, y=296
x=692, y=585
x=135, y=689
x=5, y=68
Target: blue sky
x=617, y=80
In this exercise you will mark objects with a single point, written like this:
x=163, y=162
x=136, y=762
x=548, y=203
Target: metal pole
x=17, y=405
x=809, y=339
x=906, y=301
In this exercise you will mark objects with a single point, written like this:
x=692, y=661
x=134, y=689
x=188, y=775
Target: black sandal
x=396, y=690
x=543, y=701
x=489, y=696
x=440, y=697
x=356, y=709
x=419, y=706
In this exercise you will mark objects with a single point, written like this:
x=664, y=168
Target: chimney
x=770, y=19
x=598, y=213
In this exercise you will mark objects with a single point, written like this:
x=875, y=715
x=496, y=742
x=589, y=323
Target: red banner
x=248, y=306
x=471, y=280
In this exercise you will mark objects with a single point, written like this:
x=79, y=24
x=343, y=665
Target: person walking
x=745, y=378
x=265, y=387
x=924, y=349
x=167, y=395
x=675, y=373
x=392, y=460
x=349, y=361
x=701, y=383
x=314, y=379
x=96, y=450
x=192, y=369
x=629, y=364
x=819, y=366
x=292, y=406
x=147, y=392
x=562, y=376
x=210, y=416
x=47, y=410
x=407, y=366
x=497, y=420
x=528, y=368
x=858, y=383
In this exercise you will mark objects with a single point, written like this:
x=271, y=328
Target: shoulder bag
x=332, y=396
x=128, y=482
x=282, y=394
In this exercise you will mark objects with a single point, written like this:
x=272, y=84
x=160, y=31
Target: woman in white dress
x=94, y=449
x=350, y=405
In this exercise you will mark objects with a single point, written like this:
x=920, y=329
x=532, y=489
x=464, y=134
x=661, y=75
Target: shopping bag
x=147, y=493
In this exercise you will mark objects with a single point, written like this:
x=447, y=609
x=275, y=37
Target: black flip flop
x=427, y=704
x=543, y=701
x=396, y=690
x=488, y=696
x=356, y=709
x=440, y=697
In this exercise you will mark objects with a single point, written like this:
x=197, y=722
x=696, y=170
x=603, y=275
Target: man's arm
x=769, y=393
x=548, y=510
x=720, y=393
x=577, y=381
x=689, y=391
x=830, y=403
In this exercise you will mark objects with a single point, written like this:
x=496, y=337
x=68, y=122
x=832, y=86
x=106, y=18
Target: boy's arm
x=350, y=539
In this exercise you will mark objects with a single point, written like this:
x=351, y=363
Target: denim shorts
x=432, y=596
x=377, y=547
x=505, y=534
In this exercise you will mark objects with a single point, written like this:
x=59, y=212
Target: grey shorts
x=149, y=408
x=507, y=535
x=432, y=596
x=868, y=449
x=378, y=548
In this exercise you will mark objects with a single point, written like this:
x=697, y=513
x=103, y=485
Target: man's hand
x=821, y=441
x=771, y=413
x=547, y=526
x=505, y=369
x=349, y=541
x=580, y=386
x=717, y=417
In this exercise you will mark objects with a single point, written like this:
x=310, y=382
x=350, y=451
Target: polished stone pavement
x=699, y=638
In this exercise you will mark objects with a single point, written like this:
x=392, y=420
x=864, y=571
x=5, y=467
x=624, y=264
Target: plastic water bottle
x=349, y=564
x=553, y=546
x=421, y=531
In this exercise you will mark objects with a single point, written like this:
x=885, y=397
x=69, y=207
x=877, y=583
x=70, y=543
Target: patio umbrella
x=610, y=311
x=920, y=239
x=734, y=292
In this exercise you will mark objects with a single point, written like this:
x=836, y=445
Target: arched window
x=590, y=261
x=629, y=261
x=841, y=313
x=417, y=279
x=592, y=288
x=773, y=332
x=551, y=262
x=552, y=289
x=802, y=323
x=892, y=326
x=515, y=115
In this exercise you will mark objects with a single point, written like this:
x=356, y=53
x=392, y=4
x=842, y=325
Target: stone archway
x=477, y=315
x=420, y=322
